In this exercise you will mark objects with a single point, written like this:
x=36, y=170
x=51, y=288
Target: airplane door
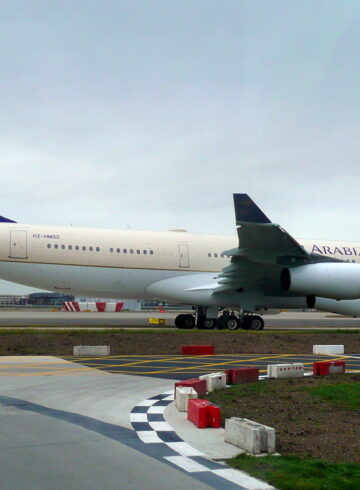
x=18, y=244
x=184, y=255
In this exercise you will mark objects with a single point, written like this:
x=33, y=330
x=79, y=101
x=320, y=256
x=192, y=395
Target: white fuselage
x=113, y=264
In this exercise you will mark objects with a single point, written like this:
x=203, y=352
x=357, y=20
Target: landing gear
x=206, y=318
x=229, y=320
x=253, y=322
x=185, y=321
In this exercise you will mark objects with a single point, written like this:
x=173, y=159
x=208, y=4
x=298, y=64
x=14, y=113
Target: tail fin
x=247, y=211
x=6, y=220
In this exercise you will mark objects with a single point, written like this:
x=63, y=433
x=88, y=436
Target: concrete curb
x=147, y=419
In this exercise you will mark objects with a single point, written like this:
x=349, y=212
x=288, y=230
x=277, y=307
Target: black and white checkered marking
x=147, y=419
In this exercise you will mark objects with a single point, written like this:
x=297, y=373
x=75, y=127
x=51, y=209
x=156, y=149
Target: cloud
x=153, y=114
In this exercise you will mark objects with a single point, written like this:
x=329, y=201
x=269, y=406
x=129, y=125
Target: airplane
x=229, y=280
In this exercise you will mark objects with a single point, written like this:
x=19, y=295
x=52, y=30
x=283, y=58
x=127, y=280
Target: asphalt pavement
x=64, y=319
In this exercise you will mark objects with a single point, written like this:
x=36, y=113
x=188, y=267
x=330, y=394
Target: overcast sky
x=150, y=114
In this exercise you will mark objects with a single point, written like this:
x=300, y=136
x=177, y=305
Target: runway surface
x=62, y=319
x=67, y=426
x=66, y=423
x=185, y=367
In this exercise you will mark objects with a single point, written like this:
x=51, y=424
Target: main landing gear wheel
x=228, y=321
x=185, y=321
x=209, y=323
x=253, y=322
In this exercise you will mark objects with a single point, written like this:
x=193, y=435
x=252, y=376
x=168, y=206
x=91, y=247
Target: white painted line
x=184, y=449
x=157, y=409
x=146, y=403
x=149, y=437
x=242, y=479
x=138, y=417
x=161, y=426
x=186, y=464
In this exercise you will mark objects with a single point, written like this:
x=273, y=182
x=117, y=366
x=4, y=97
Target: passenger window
x=84, y=248
x=215, y=255
x=56, y=245
x=131, y=251
x=145, y=252
x=111, y=250
x=118, y=250
x=138, y=251
x=91, y=249
x=151, y=252
x=125, y=251
x=63, y=246
x=77, y=247
x=98, y=249
x=209, y=254
x=49, y=245
x=70, y=247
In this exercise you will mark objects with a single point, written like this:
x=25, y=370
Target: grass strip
x=344, y=396
x=296, y=473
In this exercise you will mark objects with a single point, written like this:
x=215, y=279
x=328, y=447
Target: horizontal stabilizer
x=247, y=211
x=6, y=220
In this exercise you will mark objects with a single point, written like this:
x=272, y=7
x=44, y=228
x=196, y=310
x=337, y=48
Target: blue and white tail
x=6, y=220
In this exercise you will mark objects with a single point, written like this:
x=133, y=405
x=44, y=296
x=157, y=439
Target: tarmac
x=36, y=318
x=66, y=422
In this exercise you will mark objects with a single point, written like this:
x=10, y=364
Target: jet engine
x=326, y=279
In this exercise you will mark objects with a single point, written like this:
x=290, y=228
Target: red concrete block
x=245, y=375
x=242, y=375
x=199, y=385
x=119, y=307
x=323, y=368
x=200, y=350
x=203, y=414
x=228, y=373
x=101, y=306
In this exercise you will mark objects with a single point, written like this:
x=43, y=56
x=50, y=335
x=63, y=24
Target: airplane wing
x=264, y=249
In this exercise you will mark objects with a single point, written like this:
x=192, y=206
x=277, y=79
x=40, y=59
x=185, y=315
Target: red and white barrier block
x=183, y=395
x=203, y=414
x=323, y=368
x=293, y=370
x=99, y=306
x=72, y=306
x=214, y=381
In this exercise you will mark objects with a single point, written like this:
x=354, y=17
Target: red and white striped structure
x=100, y=306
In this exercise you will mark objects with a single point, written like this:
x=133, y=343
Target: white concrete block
x=183, y=395
x=328, y=349
x=214, y=381
x=248, y=435
x=91, y=350
x=291, y=370
x=87, y=306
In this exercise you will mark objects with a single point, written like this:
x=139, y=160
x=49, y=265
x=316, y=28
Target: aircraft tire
x=210, y=323
x=185, y=321
x=231, y=322
x=254, y=322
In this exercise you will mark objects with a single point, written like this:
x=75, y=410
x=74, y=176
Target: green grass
x=295, y=473
x=343, y=396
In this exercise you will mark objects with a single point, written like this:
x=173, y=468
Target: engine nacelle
x=326, y=279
